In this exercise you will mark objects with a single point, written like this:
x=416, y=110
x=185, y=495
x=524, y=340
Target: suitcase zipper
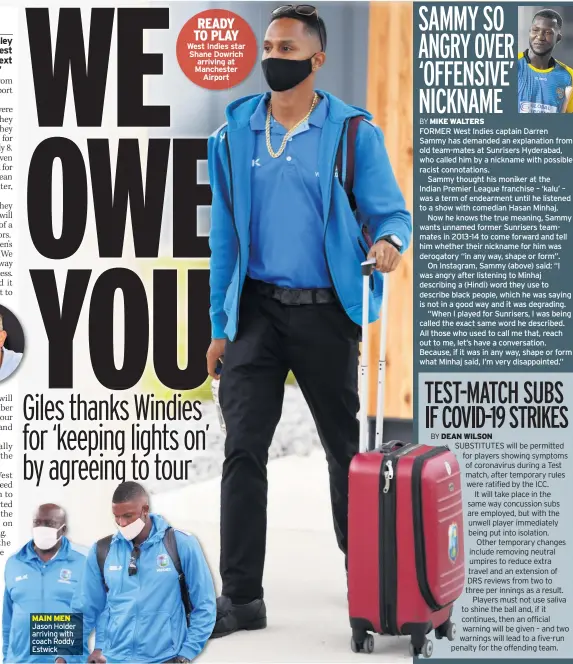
x=389, y=468
x=419, y=542
x=388, y=545
x=388, y=475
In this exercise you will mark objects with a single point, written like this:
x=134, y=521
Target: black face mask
x=283, y=74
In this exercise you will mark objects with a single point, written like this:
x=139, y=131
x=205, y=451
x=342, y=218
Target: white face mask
x=132, y=530
x=45, y=538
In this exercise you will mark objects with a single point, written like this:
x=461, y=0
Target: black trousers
x=319, y=343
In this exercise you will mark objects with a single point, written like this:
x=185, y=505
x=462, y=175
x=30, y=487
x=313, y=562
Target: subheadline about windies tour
x=493, y=334
x=76, y=437
x=141, y=450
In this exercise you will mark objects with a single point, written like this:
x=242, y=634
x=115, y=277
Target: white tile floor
x=305, y=583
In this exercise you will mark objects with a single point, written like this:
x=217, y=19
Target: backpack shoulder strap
x=338, y=162
x=350, y=155
x=171, y=545
x=102, y=549
x=350, y=130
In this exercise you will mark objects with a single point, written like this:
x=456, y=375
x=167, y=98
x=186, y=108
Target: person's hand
x=387, y=257
x=216, y=351
x=97, y=657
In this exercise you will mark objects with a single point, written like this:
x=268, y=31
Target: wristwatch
x=394, y=240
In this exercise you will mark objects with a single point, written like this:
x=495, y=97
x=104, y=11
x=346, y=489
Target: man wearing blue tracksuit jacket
x=286, y=284
x=141, y=600
x=40, y=578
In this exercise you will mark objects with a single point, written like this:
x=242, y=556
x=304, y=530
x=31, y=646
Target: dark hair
x=127, y=491
x=551, y=15
x=314, y=24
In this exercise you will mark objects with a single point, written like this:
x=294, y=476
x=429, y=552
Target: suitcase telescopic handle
x=367, y=271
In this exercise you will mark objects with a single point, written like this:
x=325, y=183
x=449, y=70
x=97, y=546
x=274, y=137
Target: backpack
x=102, y=549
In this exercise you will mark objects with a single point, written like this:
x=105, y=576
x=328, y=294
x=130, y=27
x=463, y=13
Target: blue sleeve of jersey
x=379, y=201
x=80, y=565
x=222, y=238
x=100, y=631
x=90, y=596
x=82, y=568
x=6, y=621
x=201, y=593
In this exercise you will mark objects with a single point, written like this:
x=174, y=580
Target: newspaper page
x=493, y=309
x=285, y=331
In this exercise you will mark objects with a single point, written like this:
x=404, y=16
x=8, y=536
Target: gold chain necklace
x=274, y=154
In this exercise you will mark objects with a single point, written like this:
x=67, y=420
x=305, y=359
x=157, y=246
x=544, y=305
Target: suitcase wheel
x=426, y=650
x=447, y=630
x=367, y=645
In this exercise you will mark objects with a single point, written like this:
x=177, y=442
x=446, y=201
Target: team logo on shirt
x=560, y=93
x=453, y=542
x=162, y=561
x=65, y=575
x=534, y=107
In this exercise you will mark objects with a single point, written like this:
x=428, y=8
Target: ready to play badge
x=56, y=634
x=216, y=49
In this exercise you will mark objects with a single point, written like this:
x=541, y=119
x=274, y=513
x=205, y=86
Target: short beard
x=540, y=53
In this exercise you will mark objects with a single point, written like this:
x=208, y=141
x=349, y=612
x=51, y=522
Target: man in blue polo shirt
x=286, y=285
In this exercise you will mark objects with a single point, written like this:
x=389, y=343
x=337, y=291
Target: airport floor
x=305, y=583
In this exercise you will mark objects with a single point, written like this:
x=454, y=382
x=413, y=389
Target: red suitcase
x=405, y=528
